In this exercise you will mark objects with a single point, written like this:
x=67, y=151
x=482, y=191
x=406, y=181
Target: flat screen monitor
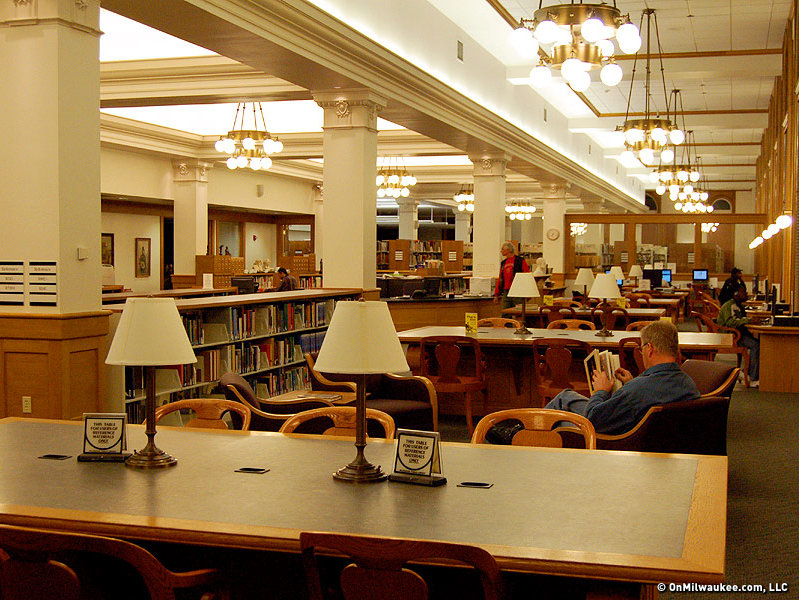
x=654, y=276
x=620, y=281
x=245, y=285
x=700, y=275
x=432, y=286
x=666, y=275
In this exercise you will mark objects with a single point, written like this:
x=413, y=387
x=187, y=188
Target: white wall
x=126, y=228
x=134, y=174
x=263, y=247
x=239, y=188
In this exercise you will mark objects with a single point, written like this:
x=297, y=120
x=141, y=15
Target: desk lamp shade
x=636, y=271
x=605, y=287
x=361, y=340
x=584, y=277
x=150, y=334
x=617, y=273
x=523, y=286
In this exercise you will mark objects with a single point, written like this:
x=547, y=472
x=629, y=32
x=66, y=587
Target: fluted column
x=190, y=187
x=489, y=212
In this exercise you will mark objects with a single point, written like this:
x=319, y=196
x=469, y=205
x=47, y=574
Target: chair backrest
x=571, y=324
x=35, y=565
x=379, y=568
x=704, y=322
x=638, y=300
x=540, y=427
x=556, y=312
x=636, y=325
x=499, y=322
x=711, y=377
x=237, y=389
x=446, y=354
x=617, y=317
x=630, y=356
x=566, y=302
x=208, y=412
x=552, y=358
x=342, y=418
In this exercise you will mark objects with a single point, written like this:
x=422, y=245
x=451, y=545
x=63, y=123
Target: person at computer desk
x=733, y=314
x=735, y=280
x=662, y=381
x=287, y=282
x=511, y=264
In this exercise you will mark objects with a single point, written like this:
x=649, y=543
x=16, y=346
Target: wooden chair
x=411, y=401
x=638, y=300
x=539, y=427
x=711, y=377
x=440, y=361
x=705, y=323
x=208, y=412
x=686, y=427
x=499, y=322
x=342, y=419
x=636, y=325
x=571, y=324
x=617, y=317
x=379, y=567
x=38, y=565
x=630, y=356
x=552, y=361
x=555, y=313
x=566, y=302
x=237, y=389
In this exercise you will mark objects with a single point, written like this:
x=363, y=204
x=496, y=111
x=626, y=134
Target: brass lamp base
x=522, y=330
x=360, y=473
x=150, y=458
x=604, y=333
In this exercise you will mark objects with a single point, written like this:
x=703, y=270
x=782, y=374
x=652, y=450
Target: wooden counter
x=409, y=314
x=779, y=358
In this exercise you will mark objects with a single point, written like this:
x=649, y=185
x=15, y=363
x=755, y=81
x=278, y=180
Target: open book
x=601, y=361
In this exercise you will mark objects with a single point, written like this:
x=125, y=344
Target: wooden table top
x=497, y=336
x=617, y=515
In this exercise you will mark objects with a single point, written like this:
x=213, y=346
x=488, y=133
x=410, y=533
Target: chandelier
x=709, y=227
x=681, y=180
x=578, y=37
x=393, y=180
x=465, y=198
x=248, y=147
x=579, y=229
x=520, y=210
x=650, y=138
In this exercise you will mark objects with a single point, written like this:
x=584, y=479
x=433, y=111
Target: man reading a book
x=661, y=382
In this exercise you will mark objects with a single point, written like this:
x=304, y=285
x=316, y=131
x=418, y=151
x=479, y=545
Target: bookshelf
x=261, y=337
x=402, y=255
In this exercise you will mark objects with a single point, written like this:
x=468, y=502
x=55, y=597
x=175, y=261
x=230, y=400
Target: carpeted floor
x=763, y=494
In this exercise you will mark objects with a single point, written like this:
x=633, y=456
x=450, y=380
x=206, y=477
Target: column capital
x=490, y=164
x=190, y=170
x=79, y=14
x=345, y=109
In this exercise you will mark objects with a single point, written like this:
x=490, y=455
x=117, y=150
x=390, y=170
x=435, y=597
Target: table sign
x=549, y=300
x=104, y=437
x=471, y=322
x=418, y=458
x=621, y=302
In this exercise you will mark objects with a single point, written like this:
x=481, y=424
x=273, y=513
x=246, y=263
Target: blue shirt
x=621, y=411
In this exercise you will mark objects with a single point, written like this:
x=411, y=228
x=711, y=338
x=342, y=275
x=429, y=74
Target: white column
x=350, y=154
x=554, y=236
x=489, y=212
x=528, y=230
x=408, y=219
x=190, y=182
x=463, y=224
x=319, y=214
x=50, y=158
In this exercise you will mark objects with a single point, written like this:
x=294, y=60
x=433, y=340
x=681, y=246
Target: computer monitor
x=620, y=281
x=655, y=277
x=666, y=275
x=432, y=286
x=245, y=284
x=700, y=275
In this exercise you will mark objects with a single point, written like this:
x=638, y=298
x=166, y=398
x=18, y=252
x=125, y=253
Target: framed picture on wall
x=107, y=248
x=141, y=260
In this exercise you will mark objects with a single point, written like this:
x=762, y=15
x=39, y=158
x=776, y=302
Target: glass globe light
x=461, y=207
x=774, y=229
x=470, y=207
x=759, y=240
x=220, y=145
x=627, y=157
x=606, y=48
x=563, y=37
x=667, y=155
x=688, y=189
x=524, y=42
x=532, y=209
x=660, y=190
x=628, y=38
x=647, y=156
x=546, y=32
x=766, y=234
x=231, y=163
x=269, y=145
x=380, y=179
x=694, y=176
x=666, y=176
x=678, y=206
x=277, y=146
x=580, y=82
x=412, y=181
x=611, y=73
x=255, y=163
x=659, y=135
x=381, y=192
x=571, y=68
x=682, y=175
x=634, y=135
x=266, y=163
x=248, y=143
x=592, y=30
x=677, y=136
x=241, y=161
x=528, y=216
x=710, y=208
x=654, y=177
x=540, y=76
x=703, y=196
x=405, y=192
x=682, y=196
x=784, y=221
x=230, y=146
x=404, y=180
x=687, y=207
x=512, y=216
x=674, y=188
x=673, y=196
x=393, y=178
x=695, y=196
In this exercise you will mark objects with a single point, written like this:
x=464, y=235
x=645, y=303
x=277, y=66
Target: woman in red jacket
x=511, y=264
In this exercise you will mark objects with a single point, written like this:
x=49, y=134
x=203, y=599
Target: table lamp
x=361, y=340
x=605, y=287
x=585, y=278
x=150, y=334
x=637, y=272
x=523, y=286
x=617, y=273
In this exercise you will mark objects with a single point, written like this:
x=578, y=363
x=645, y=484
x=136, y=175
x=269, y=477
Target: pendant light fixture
x=576, y=38
x=393, y=180
x=249, y=145
x=465, y=198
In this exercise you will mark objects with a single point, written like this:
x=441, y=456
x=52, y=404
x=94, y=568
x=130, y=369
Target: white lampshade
x=617, y=273
x=604, y=287
x=361, y=339
x=636, y=271
x=584, y=277
x=523, y=286
x=150, y=333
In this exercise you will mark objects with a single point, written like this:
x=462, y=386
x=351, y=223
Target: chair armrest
x=414, y=387
x=320, y=383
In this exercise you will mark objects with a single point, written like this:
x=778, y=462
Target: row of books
x=279, y=383
x=312, y=342
x=193, y=324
